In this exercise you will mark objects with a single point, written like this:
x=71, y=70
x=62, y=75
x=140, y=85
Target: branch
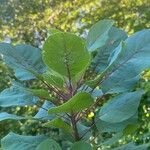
x=55, y=91
x=40, y=77
x=89, y=129
x=74, y=125
x=79, y=83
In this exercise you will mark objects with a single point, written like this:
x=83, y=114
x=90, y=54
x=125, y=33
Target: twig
x=73, y=121
x=89, y=129
x=55, y=91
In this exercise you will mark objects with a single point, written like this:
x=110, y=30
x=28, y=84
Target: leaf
x=53, y=31
x=66, y=136
x=113, y=139
x=65, y=53
x=41, y=93
x=19, y=142
x=127, y=61
x=43, y=113
x=125, y=105
x=98, y=34
x=48, y=144
x=53, y=79
x=132, y=146
x=6, y=116
x=16, y=96
x=101, y=60
x=78, y=102
x=103, y=126
x=130, y=129
x=59, y=123
x=95, y=93
x=81, y=145
x=82, y=129
x=23, y=58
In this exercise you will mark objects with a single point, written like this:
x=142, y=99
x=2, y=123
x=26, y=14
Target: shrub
x=87, y=87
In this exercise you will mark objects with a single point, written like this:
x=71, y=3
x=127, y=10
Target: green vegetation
x=31, y=22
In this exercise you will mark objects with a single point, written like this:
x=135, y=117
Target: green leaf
x=49, y=144
x=41, y=93
x=23, y=58
x=6, y=116
x=66, y=136
x=16, y=96
x=59, y=123
x=132, y=146
x=101, y=60
x=19, y=142
x=53, y=31
x=81, y=145
x=130, y=129
x=53, y=79
x=127, y=61
x=104, y=126
x=65, y=53
x=125, y=105
x=98, y=34
x=113, y=139
x=78, y=102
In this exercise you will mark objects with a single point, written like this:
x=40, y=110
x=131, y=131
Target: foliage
x=72, y=60
x=28, y=21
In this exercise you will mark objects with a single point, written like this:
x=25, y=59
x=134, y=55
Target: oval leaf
x=98, y=34
x=101, y=60
x=49, y=144
x=19, y=142
x=65, y=53
x=5, y=116
x=59, y=123
x=23, y=58
x=127, y=61
x=103, y=126
x=77, y=103
x=81, y=145
x=125, y=105
x=16, y=96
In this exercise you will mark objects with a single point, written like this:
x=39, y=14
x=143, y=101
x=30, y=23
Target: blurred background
x=29, y=21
